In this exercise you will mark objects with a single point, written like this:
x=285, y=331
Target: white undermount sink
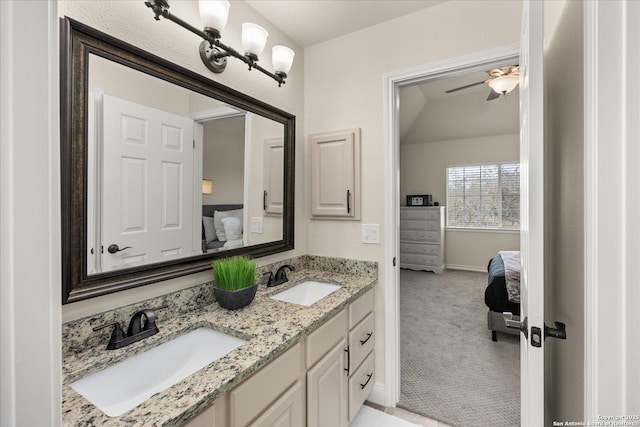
x=307, y=293
x=127, y=384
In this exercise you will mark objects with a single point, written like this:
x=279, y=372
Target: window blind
x=484, y=196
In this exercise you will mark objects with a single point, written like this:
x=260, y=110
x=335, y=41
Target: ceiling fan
x=503, y=80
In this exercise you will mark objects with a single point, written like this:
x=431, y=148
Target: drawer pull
x=362, y=386
x=348, y=368
x=363, y=342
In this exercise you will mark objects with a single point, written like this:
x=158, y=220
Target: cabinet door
x=273, y=176
x=335, y=174
x=288, y=411
x=327, y=399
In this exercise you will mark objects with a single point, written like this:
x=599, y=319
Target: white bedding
x=511, y=261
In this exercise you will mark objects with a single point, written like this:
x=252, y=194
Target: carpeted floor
x=451, y=371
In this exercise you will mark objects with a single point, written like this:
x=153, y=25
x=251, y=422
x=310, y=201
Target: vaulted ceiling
x=428, y=114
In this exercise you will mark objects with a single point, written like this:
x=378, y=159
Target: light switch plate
x=371, y=233
x=256, y=224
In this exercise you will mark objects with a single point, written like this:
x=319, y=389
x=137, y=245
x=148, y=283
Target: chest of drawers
x=422, y=238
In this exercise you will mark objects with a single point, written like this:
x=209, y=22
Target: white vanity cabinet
x=339, y=383
x=274, y=391
x=214, y=416
x=422, y=238
x=322, y=380
x=360, y=361
x=327, y=396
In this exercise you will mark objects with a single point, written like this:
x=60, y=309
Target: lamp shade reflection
x=207, y=186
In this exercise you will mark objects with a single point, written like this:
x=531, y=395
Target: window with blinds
x=484, y=196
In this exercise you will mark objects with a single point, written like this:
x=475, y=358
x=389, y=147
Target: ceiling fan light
x=282, y=58
x=504, y=84
x=214, y=14
x=254, y=38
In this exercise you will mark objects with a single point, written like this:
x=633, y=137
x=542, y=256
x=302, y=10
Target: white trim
x=590, y=210
x=217, y=113
x=466, y=268
x=483, y=230
x=391, y=83
x=611, y=238
x=30, y=325
x=377, y=394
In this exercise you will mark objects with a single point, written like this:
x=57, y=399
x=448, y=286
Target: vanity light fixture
x=207, y=186
x=214, y=53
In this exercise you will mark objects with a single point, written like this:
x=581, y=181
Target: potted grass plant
x=234, y=282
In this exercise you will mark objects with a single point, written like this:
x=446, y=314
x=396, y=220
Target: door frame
x=392, y=83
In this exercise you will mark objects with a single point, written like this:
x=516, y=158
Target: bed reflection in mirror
x=150, y=145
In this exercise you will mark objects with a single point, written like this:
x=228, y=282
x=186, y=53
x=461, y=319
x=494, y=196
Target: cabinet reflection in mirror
x=154, y=132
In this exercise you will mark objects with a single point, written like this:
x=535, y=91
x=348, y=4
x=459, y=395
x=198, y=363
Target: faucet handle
x=116, y=335
x=270, y=278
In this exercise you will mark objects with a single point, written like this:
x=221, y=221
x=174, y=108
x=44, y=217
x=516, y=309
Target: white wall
x=133, y=22
x=564, y=201
x=261, y=129
x=423, y=171
x=223, y=160
x=344, y=89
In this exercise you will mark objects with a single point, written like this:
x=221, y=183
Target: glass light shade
x=282, y=58
x=207, y=186
x=504, y=84
x=214, y=13
x=254, y=37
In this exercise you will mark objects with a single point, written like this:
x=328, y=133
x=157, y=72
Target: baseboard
x=466, y=268
x=378, y=394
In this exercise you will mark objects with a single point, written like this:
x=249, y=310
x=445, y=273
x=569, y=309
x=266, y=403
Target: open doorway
x=458, y=150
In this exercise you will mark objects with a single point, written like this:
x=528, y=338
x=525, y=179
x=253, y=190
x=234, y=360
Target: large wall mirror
x=163, y=170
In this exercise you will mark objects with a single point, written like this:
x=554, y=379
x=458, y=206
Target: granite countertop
x=269, y=326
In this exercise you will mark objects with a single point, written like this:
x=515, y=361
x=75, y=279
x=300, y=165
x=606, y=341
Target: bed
x=502, y=292
x=222, y=227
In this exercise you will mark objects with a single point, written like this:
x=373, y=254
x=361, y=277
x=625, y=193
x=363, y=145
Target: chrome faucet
x=280, y=276
x=141, y=325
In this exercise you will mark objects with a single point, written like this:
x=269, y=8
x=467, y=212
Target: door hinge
x=394, y=261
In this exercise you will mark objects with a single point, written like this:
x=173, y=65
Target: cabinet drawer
x=420, y=236
x=262, y=388
x=360, y=385
x=320, y=341
x=361, y=342
x=418, y=248
x=416, y=224
x=429, y=214
x=419, y=259
x=360, y=308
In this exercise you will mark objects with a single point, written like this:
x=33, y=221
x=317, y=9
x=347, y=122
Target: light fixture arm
x=212, y=51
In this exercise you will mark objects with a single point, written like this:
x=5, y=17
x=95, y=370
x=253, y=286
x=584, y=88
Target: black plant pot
x=233, y=300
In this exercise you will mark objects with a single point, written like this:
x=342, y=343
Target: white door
x=147, y=185
x=532, y=215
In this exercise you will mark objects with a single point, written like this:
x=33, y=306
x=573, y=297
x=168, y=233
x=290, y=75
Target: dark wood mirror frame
x=77, y=42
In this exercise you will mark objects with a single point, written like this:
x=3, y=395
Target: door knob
x=112, y=249
x=514, y=324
